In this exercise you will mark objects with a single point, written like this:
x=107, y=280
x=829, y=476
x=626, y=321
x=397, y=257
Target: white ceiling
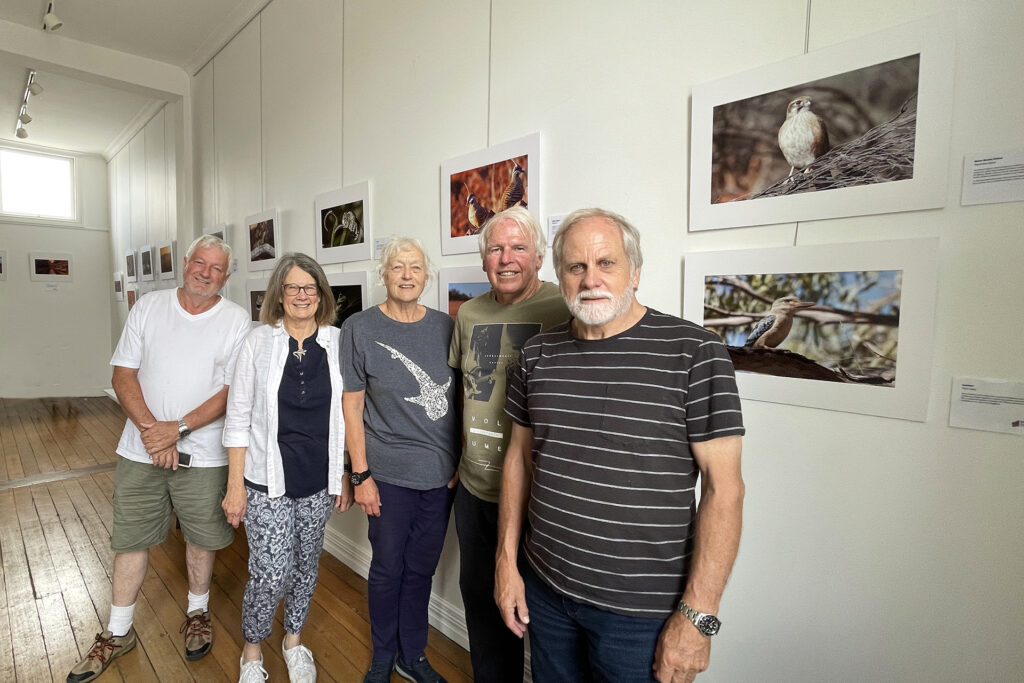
x=79, y=114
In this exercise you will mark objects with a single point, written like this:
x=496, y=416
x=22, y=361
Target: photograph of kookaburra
x=853, y=128
x=479, y=193
x=836, y=326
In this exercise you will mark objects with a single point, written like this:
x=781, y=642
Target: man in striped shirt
x=615, y=414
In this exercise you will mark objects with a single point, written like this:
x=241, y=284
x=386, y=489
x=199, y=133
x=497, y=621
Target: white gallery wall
x=53, y=332
x=874, y=549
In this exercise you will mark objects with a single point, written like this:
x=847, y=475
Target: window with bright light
x=37, y=185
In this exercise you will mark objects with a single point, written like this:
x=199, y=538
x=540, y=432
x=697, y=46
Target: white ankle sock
x=198, y=601
x=121, y=619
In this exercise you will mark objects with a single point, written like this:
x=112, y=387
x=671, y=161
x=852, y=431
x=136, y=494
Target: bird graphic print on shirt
x=432, y=395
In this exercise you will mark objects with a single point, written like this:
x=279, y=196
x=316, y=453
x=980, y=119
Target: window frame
x=12, y=217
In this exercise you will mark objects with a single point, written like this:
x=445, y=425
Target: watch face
x=709, y=625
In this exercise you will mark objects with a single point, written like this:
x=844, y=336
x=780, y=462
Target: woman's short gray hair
x=394, y=246
x=630, y=236
x=526, y=222
x=207, y=241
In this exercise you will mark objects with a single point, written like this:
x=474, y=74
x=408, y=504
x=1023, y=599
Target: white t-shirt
x=183, y=360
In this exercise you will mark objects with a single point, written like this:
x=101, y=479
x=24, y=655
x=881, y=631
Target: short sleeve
x=515, y=395
x=353, y=370
x=455, y=348
x=129, y=350
x=712, y=400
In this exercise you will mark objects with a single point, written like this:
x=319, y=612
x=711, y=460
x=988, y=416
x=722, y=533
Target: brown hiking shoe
x=198, y=634
x=104, y=649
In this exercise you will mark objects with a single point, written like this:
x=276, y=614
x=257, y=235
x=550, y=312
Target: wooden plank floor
x=56, y=486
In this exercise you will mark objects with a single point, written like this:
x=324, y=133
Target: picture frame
x=351, y=293
x=455, y=286
x=263, y=239
x=255, y=293
x=131, y=262
x=897, y=154
x=221, y=230
x=479, y=181
x=147, y=265
x=132, y=296
x=166, y=256
x=342, y=224
x=3, y=264
x=913, y=299
x=118, y=286
x=50, y=266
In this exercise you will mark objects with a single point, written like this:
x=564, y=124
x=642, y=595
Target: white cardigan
x=251, y=419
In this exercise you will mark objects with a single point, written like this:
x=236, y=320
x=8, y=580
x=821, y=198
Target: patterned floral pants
x=286, y=537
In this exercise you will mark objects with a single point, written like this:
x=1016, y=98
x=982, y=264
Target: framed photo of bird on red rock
x=856, y=128
x=841, y=327
x=477, y=185
x=342, y=224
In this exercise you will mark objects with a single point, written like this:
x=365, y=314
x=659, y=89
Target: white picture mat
x=350, y=252
x=356, y=277
x=917, y=258
x=253, y=285
x=50, y=256
x=268, y=215
x=447, y=276
x=158, y=266
x=528, y=145
x=134, y=256
x=933, y=38
x=143, y=250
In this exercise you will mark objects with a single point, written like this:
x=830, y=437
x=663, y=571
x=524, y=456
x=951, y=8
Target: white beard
x=594, y=314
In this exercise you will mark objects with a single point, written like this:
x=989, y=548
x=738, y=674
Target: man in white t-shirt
x=172, y=366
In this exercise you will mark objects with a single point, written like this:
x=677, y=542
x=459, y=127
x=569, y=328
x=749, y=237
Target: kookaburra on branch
x=774, y=327
x=803, y=136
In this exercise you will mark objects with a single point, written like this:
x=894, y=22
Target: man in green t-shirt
x=490, y=331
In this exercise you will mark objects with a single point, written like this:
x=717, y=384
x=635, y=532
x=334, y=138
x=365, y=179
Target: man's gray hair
x=526, y=222
x=395, y=245
x=207, y=241
x=630, y=236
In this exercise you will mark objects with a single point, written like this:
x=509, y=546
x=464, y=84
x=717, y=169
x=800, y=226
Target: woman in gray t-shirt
x=401, y=431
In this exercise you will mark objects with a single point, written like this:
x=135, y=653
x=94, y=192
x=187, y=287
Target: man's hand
x=368, y=497
x=347, y=497
x=166, y=458
x=158, y=436
x=234, y=506
x=510, y=596
x=682, y=652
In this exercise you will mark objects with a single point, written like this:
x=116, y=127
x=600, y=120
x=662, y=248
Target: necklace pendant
x=299, y=354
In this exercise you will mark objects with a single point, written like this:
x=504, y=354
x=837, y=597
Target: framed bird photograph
x=342, y=224
x=841, y=327
x=118, y=286
x=456, y=286
x=48, y=266
x=351, y=293
x=477, y=185
x=130, y=261
x=165, y=259
x=146, y=263
x=256, y=293
x=851, y=129
x=264, y=231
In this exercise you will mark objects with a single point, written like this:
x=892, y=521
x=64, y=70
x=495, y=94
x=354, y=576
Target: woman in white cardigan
x=285, y=436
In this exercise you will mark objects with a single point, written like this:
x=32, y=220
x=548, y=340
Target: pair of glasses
x=293, y=290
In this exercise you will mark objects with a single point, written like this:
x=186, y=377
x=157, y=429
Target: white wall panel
x=205, y=152
x=137, y=189
x=156, y=178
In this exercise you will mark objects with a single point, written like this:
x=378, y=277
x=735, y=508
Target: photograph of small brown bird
x=514, y=191
x=803, y=136
x=478, y=213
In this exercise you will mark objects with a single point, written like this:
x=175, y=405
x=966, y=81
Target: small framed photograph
x=130, y=265
x=343, y=224
x=256, y=294
x=350, y=293
x=477, y=185
x=132, y=296
x=118, y=286
x=456, y=286
x=49, y=266
x=3, y=265
x=221, y=231
x=165, y=259
x=147, y=270
x=264, y=231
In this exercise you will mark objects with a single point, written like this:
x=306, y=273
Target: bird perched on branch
x=514, y=191
x=803, y=136
x=774, y=327
x=478, y=213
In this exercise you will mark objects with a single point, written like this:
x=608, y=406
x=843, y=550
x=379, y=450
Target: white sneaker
x=300, y=664
x=252, y=671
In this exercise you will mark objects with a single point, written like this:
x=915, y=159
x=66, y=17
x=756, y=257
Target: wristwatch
x=183, y=430
x=708, y=624
x=359, y=477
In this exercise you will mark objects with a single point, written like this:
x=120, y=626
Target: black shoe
x=380, y=671
x=418, y=670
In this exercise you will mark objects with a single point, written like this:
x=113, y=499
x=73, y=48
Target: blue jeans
x=571, y=641
x=406, y=539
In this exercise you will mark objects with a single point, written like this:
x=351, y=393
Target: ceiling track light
x=20, y=131
x=31, y=88
x=51, y=22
